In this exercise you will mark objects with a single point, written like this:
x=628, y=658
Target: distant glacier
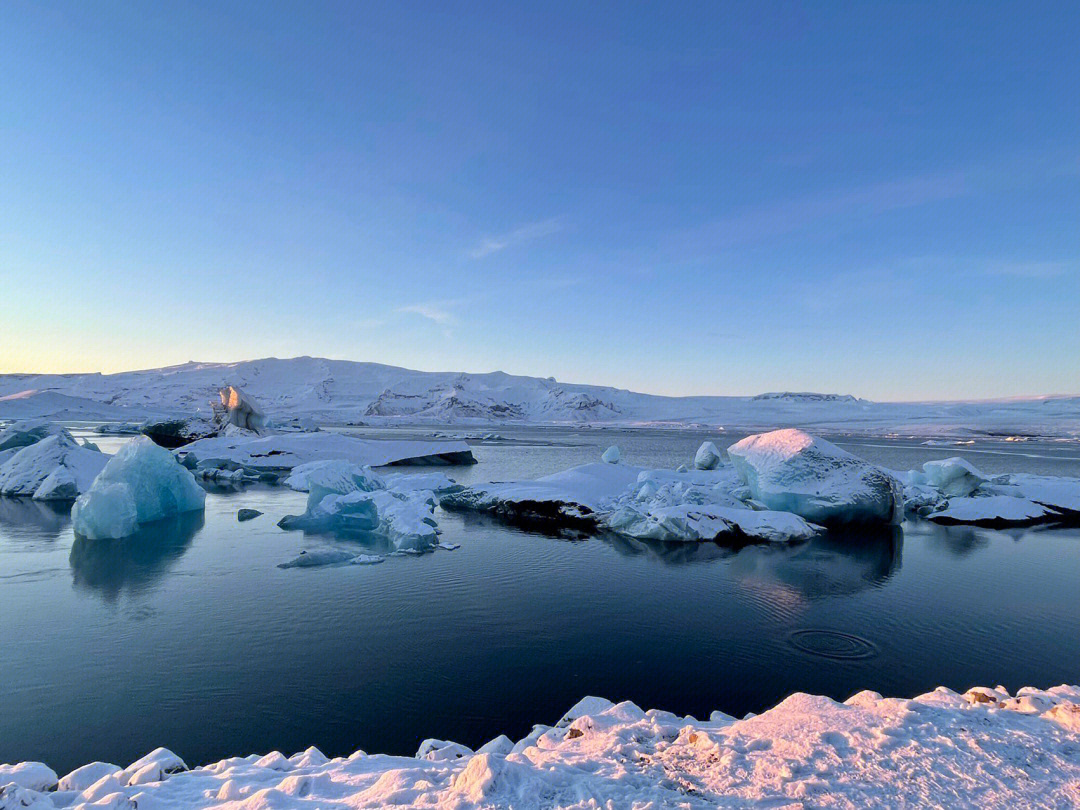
x=346, y=392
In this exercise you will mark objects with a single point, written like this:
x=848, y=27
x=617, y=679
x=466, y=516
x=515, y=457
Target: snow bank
x=982, y=749
x=140, y=484
x=57, y=468
x=792, y=471
x=281, y=453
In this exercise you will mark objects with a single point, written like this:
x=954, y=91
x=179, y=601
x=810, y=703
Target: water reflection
x=834, y=564
x=108, y=567
x=42, y=518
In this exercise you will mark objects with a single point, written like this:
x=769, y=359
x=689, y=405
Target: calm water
x=191, y=637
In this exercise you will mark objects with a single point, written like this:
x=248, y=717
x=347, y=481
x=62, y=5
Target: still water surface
x=189, y=636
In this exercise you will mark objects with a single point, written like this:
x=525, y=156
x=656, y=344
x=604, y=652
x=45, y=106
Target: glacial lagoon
x=188, y=634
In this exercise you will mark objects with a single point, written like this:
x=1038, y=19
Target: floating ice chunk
x=28, y=432
x=706, y=522
x=318, y=558
x=611, y=455
x=31, y=775
x=707, y=457
x=404, y=519
x=156, y=485
x=953, y=476
x=367, y=559
x=791, y=471
x=1057, y=493
x=436, y=482
x=570, y=497
x=991, y=511
x=56, y=468
x=82, y=778
x=280, y=453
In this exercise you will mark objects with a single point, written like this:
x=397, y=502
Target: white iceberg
x=404, y=520
x=707, y=457
x=792, y=471
x=571, y=497
x=707, y=522
x=241, y=410
x=28, y=432
x=952, y=477
x=611, y=455
x=142, y=482
x=281, y=453
x=992, y=511
x=57, y=468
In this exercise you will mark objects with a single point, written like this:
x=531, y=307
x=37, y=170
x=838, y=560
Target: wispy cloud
x=526, y=233
x=440, y=312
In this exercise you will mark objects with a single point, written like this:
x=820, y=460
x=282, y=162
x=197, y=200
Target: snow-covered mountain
x=344, y=391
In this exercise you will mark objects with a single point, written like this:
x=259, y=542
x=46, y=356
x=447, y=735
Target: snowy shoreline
x=984, y=748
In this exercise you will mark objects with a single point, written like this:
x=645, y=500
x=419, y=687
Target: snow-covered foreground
x=342, y=391
x=982, y=749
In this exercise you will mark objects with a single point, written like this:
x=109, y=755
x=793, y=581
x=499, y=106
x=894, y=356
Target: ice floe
x=281, y=453
x=868, y=751
x=56, y=468
x=141, y=483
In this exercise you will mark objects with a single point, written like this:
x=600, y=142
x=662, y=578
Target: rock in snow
x=807, y=751
x=57, y=468
x=140, y=484
x=792, y=471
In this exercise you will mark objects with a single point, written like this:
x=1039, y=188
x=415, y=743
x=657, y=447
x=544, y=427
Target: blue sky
x=719, y=198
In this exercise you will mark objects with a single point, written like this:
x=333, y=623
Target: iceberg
x=611, y=455
x=708, y=522
x=241, y=410
x=280, y=454
x=140, y=484
x=792, y=471
x=28, y=432
x=991, y=511
x=707, y=457
x=952, y=477
x=56, y=468
x=403, y=520
x=572, y=497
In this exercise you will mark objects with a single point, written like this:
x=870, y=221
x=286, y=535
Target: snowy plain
x=339, y=391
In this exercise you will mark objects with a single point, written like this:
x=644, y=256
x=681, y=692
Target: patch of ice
x=990, y=511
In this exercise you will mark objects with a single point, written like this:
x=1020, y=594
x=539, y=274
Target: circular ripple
x=833, y=644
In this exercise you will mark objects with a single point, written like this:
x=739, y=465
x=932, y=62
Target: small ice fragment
x=707, y=457
x=611, y=455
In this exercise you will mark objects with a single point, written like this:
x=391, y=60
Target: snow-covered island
x=336, y=391
x=982, y=749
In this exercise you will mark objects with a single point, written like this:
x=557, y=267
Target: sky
x=880, y=199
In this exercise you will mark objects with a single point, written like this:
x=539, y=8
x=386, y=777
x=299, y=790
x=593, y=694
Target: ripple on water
x=833, y=644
